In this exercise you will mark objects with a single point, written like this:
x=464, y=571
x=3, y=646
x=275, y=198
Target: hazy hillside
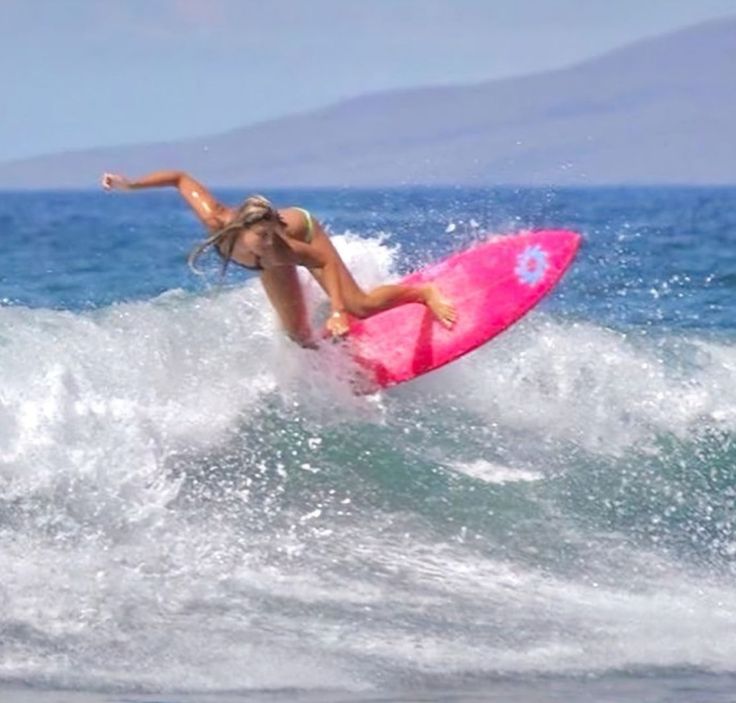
x=658, y=111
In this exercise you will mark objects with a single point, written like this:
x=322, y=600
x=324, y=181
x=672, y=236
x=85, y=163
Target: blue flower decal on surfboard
x=531, y=265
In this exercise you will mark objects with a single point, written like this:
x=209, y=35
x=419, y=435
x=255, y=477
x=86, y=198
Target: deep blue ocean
x=194, y=509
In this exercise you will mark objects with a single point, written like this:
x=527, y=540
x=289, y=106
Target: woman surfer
x=274, y=242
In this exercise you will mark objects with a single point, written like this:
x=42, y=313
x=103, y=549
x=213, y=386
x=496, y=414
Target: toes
x=446, y=315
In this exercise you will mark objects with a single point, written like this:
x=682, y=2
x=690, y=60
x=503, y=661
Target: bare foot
x=442, y=309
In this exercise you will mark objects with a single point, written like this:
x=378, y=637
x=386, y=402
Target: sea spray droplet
x=311, y=516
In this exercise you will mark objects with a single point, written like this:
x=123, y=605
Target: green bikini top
x=310, y=224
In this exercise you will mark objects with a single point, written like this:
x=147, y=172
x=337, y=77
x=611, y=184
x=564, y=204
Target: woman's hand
x=114, y=181
x=338, y=324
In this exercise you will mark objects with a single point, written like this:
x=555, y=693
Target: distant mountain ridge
x=659, y=111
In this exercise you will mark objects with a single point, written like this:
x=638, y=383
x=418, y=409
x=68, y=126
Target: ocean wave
x=174, y=470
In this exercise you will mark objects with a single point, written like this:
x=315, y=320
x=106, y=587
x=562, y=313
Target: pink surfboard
x=491, y=284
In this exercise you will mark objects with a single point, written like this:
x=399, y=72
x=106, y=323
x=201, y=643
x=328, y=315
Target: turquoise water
x=190, y=505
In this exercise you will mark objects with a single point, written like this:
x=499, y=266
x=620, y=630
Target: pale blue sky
x=83, y=73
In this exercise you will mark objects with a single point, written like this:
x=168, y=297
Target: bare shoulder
x=296, y=222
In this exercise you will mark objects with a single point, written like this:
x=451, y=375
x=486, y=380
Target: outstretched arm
x=213, y=214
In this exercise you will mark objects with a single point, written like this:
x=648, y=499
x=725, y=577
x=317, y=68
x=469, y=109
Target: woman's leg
x=285, y=293
x=389, y=296
x=361, y=304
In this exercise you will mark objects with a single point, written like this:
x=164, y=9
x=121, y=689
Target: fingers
x=338, y=331
x=113, y=181
x=337, y=328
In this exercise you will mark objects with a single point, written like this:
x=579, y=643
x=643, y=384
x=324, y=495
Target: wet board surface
x=492, y=285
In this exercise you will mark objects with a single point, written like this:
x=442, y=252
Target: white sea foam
x=131, y=530
x=604, y=390
x=494, y=473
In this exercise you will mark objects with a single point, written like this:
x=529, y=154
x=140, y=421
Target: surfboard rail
x=493, y=284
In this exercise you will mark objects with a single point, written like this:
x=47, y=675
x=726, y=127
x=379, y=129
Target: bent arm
x=212, y=213
x=333, y=287
x=322, y=259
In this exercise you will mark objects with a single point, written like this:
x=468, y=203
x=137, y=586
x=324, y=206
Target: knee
x=360, y=312
x=359, y=308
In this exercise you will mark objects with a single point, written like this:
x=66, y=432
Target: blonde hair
x=254, y=209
